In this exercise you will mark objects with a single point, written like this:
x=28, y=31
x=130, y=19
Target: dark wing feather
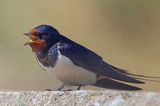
x=87, y=59
x=111, y=84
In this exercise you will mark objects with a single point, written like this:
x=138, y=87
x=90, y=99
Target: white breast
x=70, y=74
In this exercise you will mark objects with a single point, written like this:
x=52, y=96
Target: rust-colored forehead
x=33, y=31
x=33, y=34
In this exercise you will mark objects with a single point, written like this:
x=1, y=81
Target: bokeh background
x=126, y=33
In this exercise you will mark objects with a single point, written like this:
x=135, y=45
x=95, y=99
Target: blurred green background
x=126, y=33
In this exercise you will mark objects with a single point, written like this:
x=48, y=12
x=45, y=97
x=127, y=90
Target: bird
x=76, y=65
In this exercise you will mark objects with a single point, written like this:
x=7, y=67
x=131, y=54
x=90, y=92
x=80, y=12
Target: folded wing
x=89, y=60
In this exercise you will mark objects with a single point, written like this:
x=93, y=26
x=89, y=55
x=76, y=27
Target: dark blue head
x=47, y=30
x=43, y=36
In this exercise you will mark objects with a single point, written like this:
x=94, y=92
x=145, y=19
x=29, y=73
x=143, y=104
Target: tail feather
x=111, y=72
x=138, y=76
x=112, y=84
x=144, y=79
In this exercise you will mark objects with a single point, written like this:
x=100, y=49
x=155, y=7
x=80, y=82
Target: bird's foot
x=68, y=90
x=79, y=87
x=49, y=90
x=60, y=88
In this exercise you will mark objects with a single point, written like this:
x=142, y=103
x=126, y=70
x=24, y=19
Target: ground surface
x=79, y=98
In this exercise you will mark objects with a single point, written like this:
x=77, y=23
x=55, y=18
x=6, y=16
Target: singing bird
x=74, y=64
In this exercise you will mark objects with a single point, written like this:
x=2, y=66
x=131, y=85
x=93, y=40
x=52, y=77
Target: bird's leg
x=79, y=87
x=61, y=87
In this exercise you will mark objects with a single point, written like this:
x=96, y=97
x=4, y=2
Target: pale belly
x=70, y=74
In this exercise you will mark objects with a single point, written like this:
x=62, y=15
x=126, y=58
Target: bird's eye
x=38, y=35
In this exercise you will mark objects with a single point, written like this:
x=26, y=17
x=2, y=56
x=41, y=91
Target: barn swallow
x=74, y=64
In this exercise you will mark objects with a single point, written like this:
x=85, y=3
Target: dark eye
x=38, y=35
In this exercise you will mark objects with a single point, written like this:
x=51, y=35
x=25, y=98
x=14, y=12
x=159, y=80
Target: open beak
x=30, y=41
x=27, y=43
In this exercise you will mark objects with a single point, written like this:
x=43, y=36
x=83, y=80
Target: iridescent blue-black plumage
x=48, y=55
x=81, y=57
x=49, y=34
x=87, y=59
